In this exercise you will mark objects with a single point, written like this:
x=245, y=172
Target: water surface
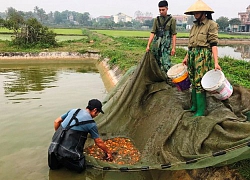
x=32, y=96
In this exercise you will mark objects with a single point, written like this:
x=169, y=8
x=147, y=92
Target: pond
x=240, y=52
x=33, y=94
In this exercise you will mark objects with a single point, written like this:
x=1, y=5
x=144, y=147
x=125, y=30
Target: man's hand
x=109, y=156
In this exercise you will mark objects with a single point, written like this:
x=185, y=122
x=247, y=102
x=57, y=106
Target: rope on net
x=169, y=165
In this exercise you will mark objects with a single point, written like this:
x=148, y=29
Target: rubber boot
x=201, y=104
x=193, y=100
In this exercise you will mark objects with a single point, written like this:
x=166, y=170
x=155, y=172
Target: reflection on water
x=21, y=81
x=25, y=78
x=240, y=52
x=244, y=50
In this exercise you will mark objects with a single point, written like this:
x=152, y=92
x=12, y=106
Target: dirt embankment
x=50, y=55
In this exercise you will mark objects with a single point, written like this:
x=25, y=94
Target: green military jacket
x=170, y=26
x=204, y=35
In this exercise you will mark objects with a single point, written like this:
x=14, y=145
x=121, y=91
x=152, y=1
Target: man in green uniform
x=163, y=36
x=202, y=46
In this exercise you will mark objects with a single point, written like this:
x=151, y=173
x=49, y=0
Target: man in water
x=74, y=126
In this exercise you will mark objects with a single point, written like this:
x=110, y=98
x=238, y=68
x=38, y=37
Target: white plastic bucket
x=215, y=82
x=179, y=75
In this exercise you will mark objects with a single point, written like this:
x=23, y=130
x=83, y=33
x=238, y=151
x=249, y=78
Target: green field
x=75, y=34
x=145, y=34
x=60, y=38
x=63, y=34
x=68, y=31
x=120, y=33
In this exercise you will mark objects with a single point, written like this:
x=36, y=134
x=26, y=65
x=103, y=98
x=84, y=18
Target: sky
x=226, y=8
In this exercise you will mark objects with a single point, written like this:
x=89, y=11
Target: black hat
x=163, y=4
x=95, y=103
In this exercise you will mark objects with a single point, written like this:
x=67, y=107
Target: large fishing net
x=151, y=114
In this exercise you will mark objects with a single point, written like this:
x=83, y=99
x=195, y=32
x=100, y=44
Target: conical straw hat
x=199, y=5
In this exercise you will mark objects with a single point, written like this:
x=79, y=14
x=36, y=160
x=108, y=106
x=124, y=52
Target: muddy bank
x=110, y=75
x=50, y=55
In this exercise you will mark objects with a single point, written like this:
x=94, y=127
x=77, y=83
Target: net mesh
x=151, y=113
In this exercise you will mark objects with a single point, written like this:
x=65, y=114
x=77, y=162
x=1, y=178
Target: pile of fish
x=124, y=151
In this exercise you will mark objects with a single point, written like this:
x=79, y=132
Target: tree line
x=27, y=30
x=69, y=19
x=74, y=19
x=228, y=25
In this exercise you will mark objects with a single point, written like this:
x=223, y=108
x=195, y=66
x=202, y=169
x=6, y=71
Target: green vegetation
x=243, y=168
x=126, y=48
x=64, y=32
x=121, y=33
x=61, y=38
x=145, y=34
x=27, y=32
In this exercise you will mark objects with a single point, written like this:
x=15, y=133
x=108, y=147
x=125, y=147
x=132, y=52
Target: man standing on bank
x=203, y=40
x=74, y=126
x=163, y=36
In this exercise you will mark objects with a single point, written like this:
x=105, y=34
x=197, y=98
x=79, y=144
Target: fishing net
x=152, y=115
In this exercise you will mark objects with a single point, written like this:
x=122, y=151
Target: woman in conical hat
x=202, y=48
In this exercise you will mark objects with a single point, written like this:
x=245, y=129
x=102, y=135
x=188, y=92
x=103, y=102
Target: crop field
x=4, y=30
x=63, y=34
x=60, y=38
x=76, y=34
x=145, y=34
x=5, y=37
x=120, y=33
x=68, y=31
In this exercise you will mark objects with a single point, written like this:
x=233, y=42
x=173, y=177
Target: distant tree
x=86, y=18
x=65, y=15
x=233, y=22
x=57, y=17
x=14, y=20
x=50, y=17
x=105, y=23
x=34, y=33
x=190, y=20
x=29, y=32
x=128, y=24
x=120, y=24
x=41, y=14
x=28, y=15
x=136, y=24
x=148, y=23
x=223, y=22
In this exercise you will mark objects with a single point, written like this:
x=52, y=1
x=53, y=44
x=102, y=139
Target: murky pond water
x=32, y=95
